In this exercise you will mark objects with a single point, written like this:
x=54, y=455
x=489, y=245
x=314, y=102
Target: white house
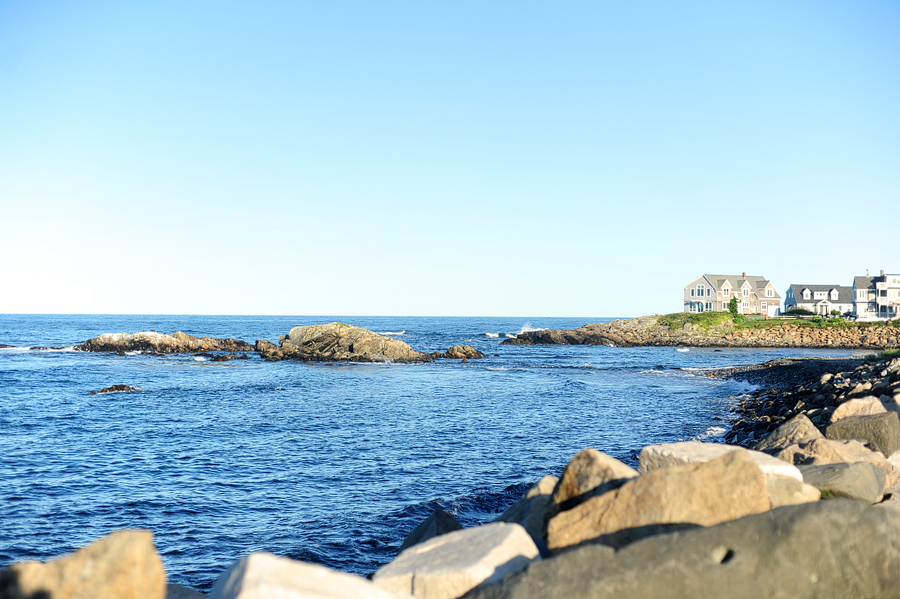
x=755, y=295
x=876, y=298
x=820, y=299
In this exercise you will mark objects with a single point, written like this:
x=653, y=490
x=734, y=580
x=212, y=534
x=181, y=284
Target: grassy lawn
x=723, y=321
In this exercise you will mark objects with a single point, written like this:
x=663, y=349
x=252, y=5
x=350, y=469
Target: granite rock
x=859, y=480
x=438, y=523
x=882, y=430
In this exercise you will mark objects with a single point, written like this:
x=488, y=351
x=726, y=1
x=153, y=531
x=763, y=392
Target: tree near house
x=732, y=307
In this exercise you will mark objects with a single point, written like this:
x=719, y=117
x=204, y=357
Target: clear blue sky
x=559, y=159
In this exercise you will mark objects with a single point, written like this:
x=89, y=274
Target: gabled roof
x=864, y=282
x=757, y=284
x=845, y=294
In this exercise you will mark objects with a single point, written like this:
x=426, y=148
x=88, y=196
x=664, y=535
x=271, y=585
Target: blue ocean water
x=333, y=464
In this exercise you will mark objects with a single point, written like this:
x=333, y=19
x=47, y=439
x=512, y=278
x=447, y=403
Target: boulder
x=862, y=406
x=693, y=452
x=859, y=480
x=785, y=490
x=447, y=566
x=882, y=430
x=839, y=548
x=703, y=493
x=463, y=352
x=531, y=510
x=590, y=472
x=115, y=389
x=336, y=341
x=151, y=341
x=438, y=523
x=266, y=576
x=123, y=565
x=798, y=429
x=827, y=451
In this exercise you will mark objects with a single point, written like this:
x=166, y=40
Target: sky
x=444, y=159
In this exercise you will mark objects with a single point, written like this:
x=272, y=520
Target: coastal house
x=819, y=299
x=755, y=295
x=876, y=298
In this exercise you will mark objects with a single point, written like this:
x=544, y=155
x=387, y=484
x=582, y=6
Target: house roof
x=757, y=284
x=864, y=282
x=845, y=294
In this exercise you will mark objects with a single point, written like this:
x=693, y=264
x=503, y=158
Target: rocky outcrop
x=151, y=341
x=123, y=565
x=654, y=331
x=815, y=388
x=447, y=566
x=838, y=548
x=339, y=342
x=115, y=389
x=459, y=352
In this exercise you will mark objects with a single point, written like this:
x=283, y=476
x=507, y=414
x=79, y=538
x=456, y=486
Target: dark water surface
x=333, y=464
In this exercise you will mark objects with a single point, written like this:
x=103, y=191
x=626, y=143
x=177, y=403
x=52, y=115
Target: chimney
x=882, y=272
x=743, y=275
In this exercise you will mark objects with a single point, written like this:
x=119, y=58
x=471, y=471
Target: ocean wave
x=393, y=333
x=492, y=335
x=510, y=335
x=527, y=328
x=199, y=359
x=710, y=433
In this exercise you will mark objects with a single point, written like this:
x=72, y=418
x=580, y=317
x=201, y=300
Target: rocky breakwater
x=339, y=342
x=694, y=520
x=159, y=343
x=668, y=331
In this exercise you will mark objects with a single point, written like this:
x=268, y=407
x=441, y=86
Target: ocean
x=328, y=463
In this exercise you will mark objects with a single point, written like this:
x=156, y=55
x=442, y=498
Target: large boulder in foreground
x=339, y=342
x=447, y=566
x=882, y=430
x=859, y=480
x=123, y=565
x=704, y=493
x=266, y=576
x=590, y=472
x=840, y=548
x=532, y=509
x=151, y=341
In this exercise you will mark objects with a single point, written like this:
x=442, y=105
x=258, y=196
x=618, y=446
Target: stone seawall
x=649, y=331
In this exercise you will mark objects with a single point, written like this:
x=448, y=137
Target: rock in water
x=462, y=352
x=266, y=576
x=123, y=565
x=151, y=341
x=336, y=341
x=437, y=524
x=834, y=549
x=706, y=493
x=447, y=566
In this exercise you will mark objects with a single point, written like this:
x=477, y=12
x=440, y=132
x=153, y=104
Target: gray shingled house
x=755, y=295
x=819, y=299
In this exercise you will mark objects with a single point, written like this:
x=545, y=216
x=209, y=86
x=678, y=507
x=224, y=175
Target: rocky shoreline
x=656, y=331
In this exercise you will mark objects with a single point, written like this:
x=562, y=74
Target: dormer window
x=726, y=292
x=834, y=294
x=806, y=294
x=770, y=293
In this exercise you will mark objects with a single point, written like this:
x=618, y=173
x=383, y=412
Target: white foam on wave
x=393, y=333
x=199, y=359
x=710, y=433
x=492, y=335
x=510, y=335
x=527, y=328
x=133, y=353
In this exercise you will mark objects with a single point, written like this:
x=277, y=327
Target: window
x=763, y=306
x=770, y=293
x=708, y=306
x=746, y=293
x=708, y=292
x=745, y=305
x=861, y=295
x=834, y=294
x=700, y=291
x=726, y=292
x=724, y=306
x=692, y=293
x=806, y=294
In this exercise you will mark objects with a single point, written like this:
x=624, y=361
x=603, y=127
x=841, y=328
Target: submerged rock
x=115, y=389
x=437, y=524
x=151, y=341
